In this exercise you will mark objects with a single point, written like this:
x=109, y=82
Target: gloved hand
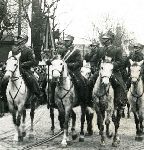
x=48, y=62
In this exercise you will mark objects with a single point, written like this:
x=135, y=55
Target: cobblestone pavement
x=42, y=129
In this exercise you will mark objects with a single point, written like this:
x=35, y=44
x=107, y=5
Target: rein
x=104, y=93
x=136, y=95
x=13, y=79
x=65, y=93
x=13, y=98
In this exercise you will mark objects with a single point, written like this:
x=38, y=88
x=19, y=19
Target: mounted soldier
x=116, y=55
x=136, y=55
x=90, y=57
x=74, y=62
x=27, y=60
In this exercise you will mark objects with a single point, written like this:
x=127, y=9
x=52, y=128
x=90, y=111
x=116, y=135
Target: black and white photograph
x=71, y=75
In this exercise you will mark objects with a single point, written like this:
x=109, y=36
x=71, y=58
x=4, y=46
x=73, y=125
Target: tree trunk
x=36, y=29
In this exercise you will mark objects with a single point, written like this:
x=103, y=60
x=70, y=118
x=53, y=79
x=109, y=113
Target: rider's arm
x=118, y=59
x=77, y=61
x=30, y=60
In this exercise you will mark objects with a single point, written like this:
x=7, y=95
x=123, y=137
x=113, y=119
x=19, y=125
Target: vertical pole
x=19, y=18
x=83, y=51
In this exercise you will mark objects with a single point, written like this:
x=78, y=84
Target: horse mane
x=65, y=70
x=135, y=64
x=96, y=86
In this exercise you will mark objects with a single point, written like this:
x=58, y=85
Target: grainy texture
x=42, y=130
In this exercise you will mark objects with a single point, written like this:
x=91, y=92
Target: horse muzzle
x=134, y=79
x=105, y=81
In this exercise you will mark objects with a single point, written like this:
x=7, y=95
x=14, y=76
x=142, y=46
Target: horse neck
x=65, y=82
x=138, y=87
x=99, y=87
x=16, y=76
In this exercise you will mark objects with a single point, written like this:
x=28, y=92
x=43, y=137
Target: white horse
x=17, y=94
x=103, y=98
x=136, y=96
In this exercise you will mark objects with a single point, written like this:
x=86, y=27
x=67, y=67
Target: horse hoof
x=123, y=115
x=31, y=136
x=1, y=115
x=63, y=144
x=89, y=133
x=23, y=134
x=20, y=139
x=81, y=139
x=138, y=138
x=74, y=136
x=102, y=144
x=114, y=144
x=51, y=132
x=109, y=135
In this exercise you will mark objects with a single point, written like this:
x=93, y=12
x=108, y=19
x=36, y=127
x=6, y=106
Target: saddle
x=81, y=88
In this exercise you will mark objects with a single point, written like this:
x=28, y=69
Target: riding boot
x=3, y=87
x=52, y=97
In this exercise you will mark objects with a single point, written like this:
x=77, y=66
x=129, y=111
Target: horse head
x=106, y=70
x=135, y=70
x=59, y=69
x=12, y=64
x=86, y=69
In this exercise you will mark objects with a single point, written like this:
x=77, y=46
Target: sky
x=77, y=17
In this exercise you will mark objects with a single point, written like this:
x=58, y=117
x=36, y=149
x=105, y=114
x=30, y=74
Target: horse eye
x=60, y=63
x=14, y=64
x=101, y=67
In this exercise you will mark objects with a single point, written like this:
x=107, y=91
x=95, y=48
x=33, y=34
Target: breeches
x=31, y=81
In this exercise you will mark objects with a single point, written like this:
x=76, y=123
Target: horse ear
x=141, y=62
x=18, y=55
x=131, y=62
x=9, y=54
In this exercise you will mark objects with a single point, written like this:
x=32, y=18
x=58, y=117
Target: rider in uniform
x=117, y=81
x=90, y=57
x=136, y=55
x=27, y=60
x=74, y=62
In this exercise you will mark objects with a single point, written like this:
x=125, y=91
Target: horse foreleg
x=52, y=119
x=32, y=112
x=1, y=108
x=138, y=121
x=23, y=123
x=89, y=118
x=141, y=122
x=61, y=120
x=128, y=110
x=74, y=134
x=116, y=120
x=83, y=113
x=100, y=120
x=107, y=123
x=66, y=123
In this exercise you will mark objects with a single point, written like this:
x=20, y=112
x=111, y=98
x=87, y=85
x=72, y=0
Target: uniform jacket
x=113, y=52
x=116, y=54
x=27, y=59
x=74, y=62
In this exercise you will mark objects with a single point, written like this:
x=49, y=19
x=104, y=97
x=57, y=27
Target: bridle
x=61, y=78
x=14, y=78
x=106, y=90
x=135, y=83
